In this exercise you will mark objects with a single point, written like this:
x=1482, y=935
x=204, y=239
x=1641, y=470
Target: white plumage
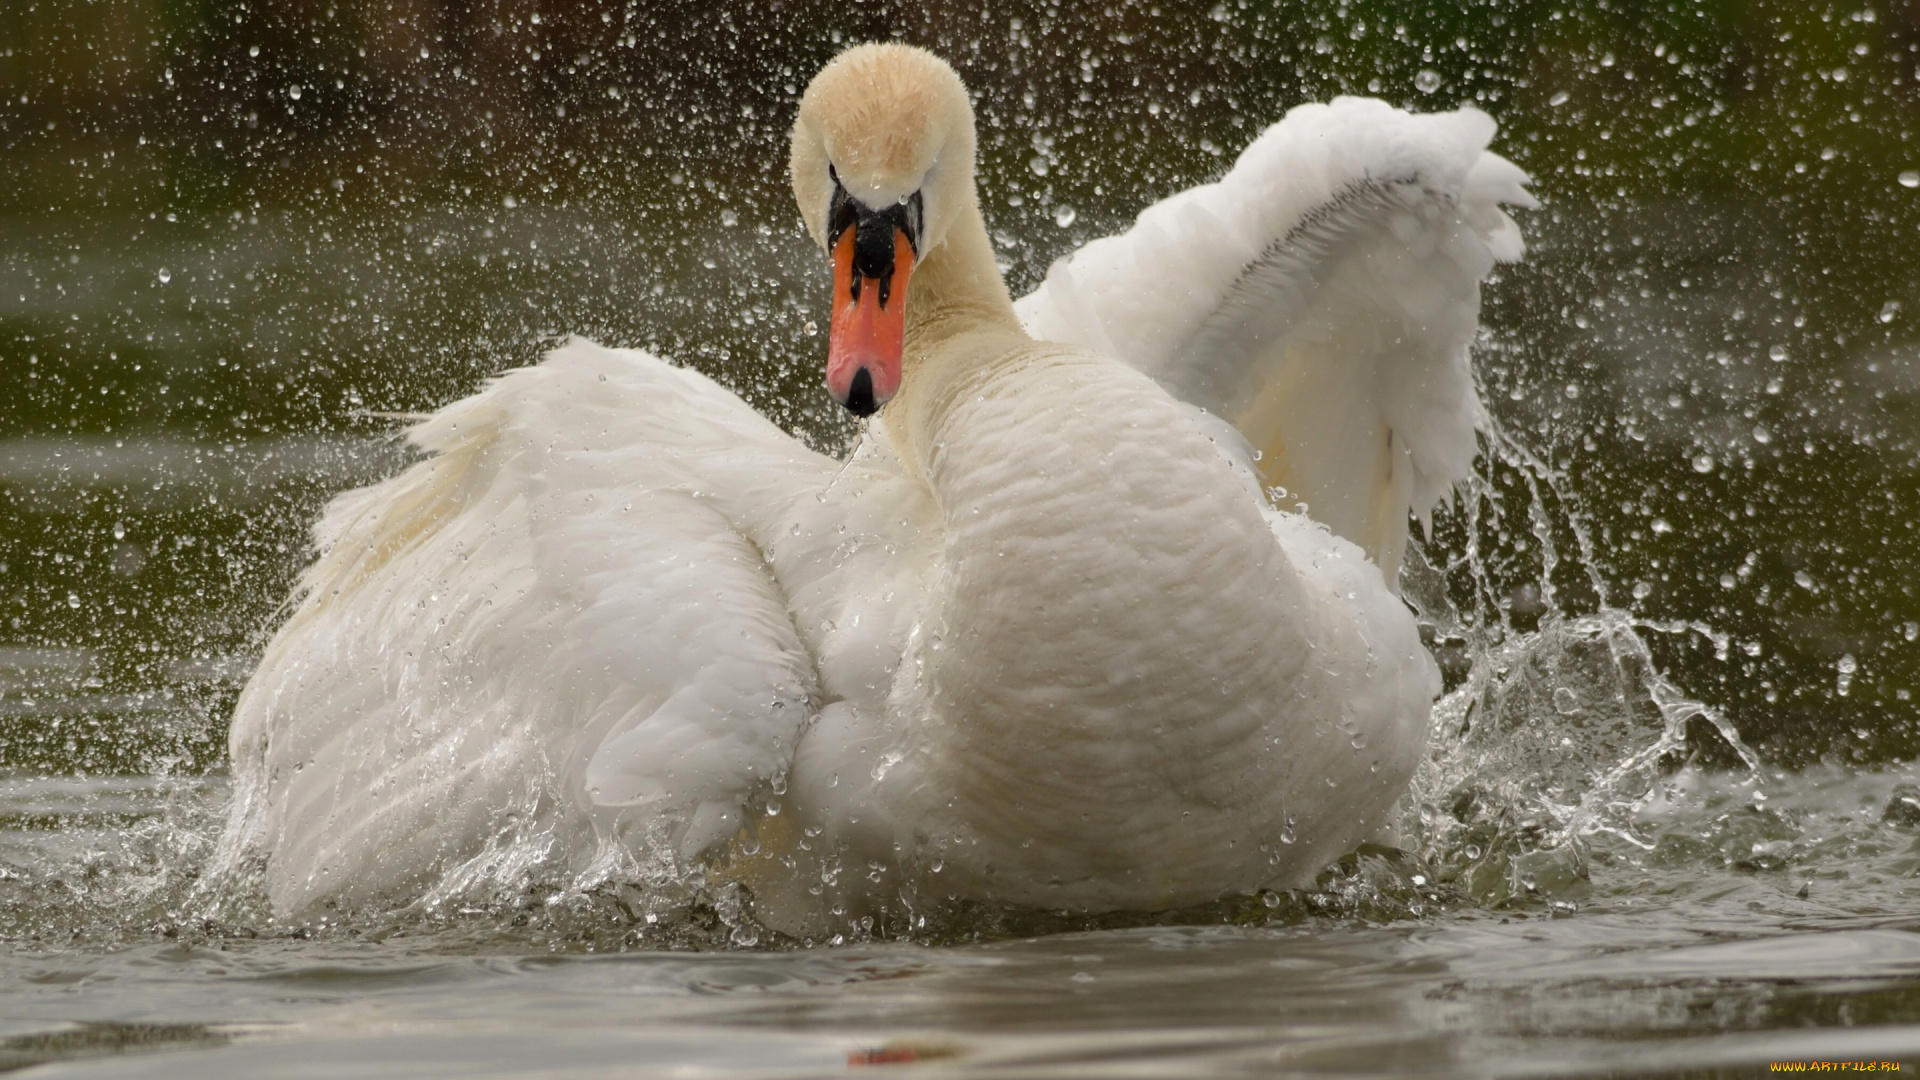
x=1041, y=641
x=1321, y=297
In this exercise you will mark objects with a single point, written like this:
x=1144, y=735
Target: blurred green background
x=236, y=237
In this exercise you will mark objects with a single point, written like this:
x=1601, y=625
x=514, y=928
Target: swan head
x=882, y=162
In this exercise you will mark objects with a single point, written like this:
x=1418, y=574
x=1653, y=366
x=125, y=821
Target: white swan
x=1042, y=641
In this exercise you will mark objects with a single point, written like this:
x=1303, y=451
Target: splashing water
x=1556, y=733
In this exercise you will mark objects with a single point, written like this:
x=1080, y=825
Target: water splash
x=1555, y=733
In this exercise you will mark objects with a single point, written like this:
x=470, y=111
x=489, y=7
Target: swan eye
x=842, y=212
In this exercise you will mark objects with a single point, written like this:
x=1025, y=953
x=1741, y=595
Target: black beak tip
x=860, y=395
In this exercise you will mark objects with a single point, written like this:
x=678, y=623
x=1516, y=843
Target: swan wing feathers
x=1321, y=297
x=562, y=613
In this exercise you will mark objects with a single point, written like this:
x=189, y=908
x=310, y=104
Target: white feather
x=1322, y=297
x=541, y=634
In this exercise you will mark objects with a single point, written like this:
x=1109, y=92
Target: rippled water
x=1774, y=917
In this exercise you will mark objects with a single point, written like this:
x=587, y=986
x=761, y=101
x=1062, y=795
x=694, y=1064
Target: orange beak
x=869, y=327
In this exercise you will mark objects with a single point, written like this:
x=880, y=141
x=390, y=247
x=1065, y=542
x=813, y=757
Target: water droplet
x=1760, y=433
x=1662, y=525
x=1910, y=179
x=1559, y=98
x=1642, y=590
x=1803, y=579
x=1064, y=215
x=165, y=275
x=253, y=50
x=509, y=202
x=294, y=92
x=1777, y=353
x=119, y=530
x=73, y=600
x=1888, y=310
x=1703, y=463
x=1727, y=581
x=1427, y=81
x=1419, y=879
x=1471, y=851
x=1847, y=666
x=938, y=865
x=1038, y=165
x=1565, y=701
x=729, y=218
x=773, y=807
x=1287, y=835
x=811, y=328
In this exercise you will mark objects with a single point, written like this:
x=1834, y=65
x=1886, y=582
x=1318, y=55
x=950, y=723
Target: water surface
x=1773, y=918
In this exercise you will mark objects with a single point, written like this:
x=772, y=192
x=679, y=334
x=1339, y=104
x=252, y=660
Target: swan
x=1100, y=613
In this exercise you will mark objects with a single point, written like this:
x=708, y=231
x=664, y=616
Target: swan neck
x=958, y=287
x=961, y=328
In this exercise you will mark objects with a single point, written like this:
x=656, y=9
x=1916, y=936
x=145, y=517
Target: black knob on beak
x=860, y=395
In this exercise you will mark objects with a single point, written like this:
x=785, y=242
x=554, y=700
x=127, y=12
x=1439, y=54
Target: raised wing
x=553, y=634
x=1322, y=298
